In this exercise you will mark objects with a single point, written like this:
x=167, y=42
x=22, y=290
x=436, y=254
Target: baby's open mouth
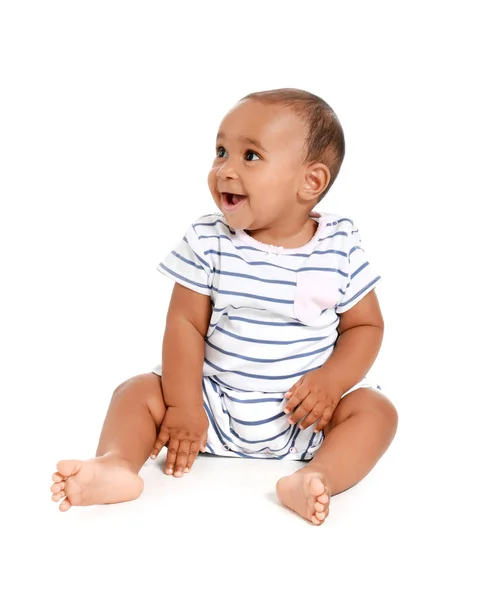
x=229, y=201
x=233, y=199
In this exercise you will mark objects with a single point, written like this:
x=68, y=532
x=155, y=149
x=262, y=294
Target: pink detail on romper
x=314, y=293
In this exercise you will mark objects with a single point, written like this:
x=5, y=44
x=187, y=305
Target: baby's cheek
x=211, y=180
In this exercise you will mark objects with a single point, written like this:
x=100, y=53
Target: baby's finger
x=325, y=419
x=296, y=399
x=294, y=387
x=194, y=450
x=160, y=442
x=182, y=457
x=172, y=452
x=303, y=409
x=314, y=415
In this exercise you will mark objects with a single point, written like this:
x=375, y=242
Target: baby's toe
x=57, y=487
x=65, y=505
x=323, y=499
x=321, y=516
x=315, y=520
x=58, y=496
x=316, y=487
x=57, y=477
x=318, y=507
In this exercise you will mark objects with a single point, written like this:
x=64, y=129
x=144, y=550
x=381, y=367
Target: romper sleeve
x=188, y=265
x=362, y=277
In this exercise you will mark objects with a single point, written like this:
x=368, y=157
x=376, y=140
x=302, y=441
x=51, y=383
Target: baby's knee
x=368, y=400
x=383, y=408
x=389, y=414
x=146, y=389
x=385, y=415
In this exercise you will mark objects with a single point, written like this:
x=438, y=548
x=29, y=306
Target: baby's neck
x=300, y=238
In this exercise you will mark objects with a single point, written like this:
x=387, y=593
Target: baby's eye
x=253, y=153
x=221, y=149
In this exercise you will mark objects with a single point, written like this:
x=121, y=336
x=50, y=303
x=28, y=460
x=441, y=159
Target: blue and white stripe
x=259, y=342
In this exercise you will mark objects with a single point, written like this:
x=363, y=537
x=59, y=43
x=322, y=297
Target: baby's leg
x=128, y=435
x=361, y=429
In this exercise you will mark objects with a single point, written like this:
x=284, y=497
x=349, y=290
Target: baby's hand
x=184, y=432
x=313, y=395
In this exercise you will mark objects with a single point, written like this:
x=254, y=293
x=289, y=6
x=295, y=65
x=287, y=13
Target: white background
x=108, y=117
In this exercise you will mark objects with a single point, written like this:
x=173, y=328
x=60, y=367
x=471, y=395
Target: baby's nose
x=226, y=171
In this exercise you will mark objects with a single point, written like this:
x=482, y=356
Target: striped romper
x=275, y=313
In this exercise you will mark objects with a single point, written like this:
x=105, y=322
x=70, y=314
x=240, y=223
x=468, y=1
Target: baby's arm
x=360, y=336
x=185, y=424
x=183, y=346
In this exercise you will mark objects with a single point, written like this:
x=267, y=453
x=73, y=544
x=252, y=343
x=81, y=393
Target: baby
x=272, y=326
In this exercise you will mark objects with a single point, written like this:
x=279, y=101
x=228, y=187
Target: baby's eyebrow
x=243, y=138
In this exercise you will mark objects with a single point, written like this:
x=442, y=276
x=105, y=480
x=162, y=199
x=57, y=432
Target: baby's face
x=259, y=155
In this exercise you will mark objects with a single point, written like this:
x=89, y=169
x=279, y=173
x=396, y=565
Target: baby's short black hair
x=325, y=139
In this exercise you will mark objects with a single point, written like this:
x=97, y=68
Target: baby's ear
x=315, y=180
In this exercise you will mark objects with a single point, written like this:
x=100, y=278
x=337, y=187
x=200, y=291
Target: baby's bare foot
x=305, y=493
x=103, y=480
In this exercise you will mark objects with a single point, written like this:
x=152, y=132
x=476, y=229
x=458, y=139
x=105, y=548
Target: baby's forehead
x=272, y=125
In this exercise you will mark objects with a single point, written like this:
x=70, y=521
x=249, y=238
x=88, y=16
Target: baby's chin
x=241, y=218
